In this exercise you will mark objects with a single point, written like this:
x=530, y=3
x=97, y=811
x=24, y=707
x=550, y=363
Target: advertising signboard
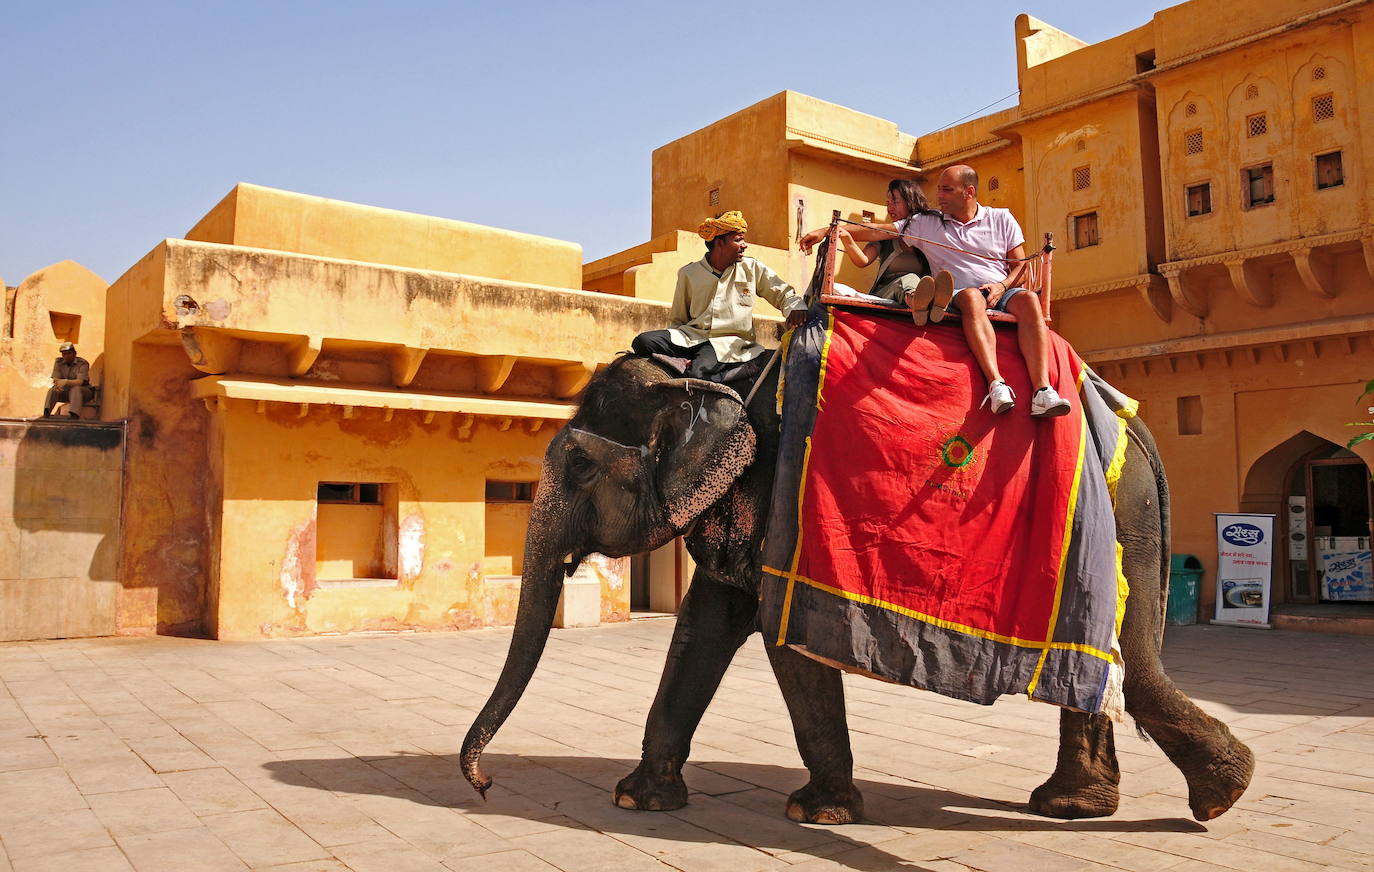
x=1245, y=569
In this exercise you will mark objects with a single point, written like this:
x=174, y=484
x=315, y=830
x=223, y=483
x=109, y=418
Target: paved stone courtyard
x=340, y=754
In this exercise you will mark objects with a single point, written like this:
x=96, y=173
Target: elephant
x=649, y=456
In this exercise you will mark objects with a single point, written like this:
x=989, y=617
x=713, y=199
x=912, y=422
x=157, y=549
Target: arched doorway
x=1323, y=499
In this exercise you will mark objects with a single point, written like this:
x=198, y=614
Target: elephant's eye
x=582, y=470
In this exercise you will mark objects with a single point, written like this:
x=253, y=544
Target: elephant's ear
x=702, y=441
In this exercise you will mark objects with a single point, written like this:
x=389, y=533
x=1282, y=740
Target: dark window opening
x=1199, y=199
x=510, y=491
x=1085, y=230
x=354, y=493
x=869, y=216
x=1330, y=173
x=1145, y=61
x=1189, y=416
x=1258, y=185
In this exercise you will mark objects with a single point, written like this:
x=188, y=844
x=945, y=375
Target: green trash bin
x=1185, y=577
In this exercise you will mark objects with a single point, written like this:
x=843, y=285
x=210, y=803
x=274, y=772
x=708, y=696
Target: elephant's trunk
x=540, y=584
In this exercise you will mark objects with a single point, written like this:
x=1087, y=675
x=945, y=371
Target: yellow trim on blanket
x=1113, y=471
x=1064, y=548
x=801, y=489
x=794, y=578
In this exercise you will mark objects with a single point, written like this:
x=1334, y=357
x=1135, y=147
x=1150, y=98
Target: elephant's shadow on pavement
x=575, y=792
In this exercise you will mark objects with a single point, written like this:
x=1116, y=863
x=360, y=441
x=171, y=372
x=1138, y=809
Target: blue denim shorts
x=1001, y=304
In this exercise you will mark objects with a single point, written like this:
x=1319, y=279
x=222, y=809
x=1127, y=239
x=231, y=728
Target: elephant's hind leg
x=712, y=623
x=1084, y=783
x=1216, y=765
x=814, y=694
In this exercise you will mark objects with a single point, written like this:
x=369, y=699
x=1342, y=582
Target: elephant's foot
x=1057, y=798
x=650, y=788
x=1215, y=786
x=816, y=804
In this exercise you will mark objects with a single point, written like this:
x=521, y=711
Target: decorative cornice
x=1303, y=243
x=1093, y=290
x=830, y=140
x=981, y=147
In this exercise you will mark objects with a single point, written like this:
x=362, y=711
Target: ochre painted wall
x=270, y=534
x=59, y=528
x=256, y=217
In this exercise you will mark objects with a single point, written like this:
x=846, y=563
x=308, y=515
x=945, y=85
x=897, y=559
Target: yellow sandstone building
x=321, y=417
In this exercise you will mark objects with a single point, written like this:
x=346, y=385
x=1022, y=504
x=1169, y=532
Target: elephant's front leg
x=1084, y=783
x=712, y=623
x=814, y=694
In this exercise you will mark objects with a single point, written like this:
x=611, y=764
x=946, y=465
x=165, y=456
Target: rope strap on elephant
x=919, y=538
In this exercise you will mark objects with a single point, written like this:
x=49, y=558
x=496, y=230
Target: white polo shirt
x=991, y=231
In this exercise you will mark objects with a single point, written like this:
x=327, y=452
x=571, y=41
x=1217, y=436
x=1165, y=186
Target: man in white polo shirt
x=983, y=273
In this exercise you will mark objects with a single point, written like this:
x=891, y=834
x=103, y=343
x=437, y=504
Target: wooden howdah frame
x=1039, y=282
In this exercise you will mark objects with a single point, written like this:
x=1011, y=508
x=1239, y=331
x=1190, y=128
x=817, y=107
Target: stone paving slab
x=339, y=754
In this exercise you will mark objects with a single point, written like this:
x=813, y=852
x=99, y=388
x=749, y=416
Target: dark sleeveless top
x=907, y=261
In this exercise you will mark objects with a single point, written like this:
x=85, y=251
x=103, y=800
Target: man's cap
x=65, y=347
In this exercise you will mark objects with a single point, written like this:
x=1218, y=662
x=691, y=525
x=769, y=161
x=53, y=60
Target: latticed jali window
x=1323, y=107
x=1190, y=110
x=1251, y=92
x=1082, y=178
x=994, y=183
x=713, y=197
x=1257, y=124
x=1318, y=73
x=1192, y=142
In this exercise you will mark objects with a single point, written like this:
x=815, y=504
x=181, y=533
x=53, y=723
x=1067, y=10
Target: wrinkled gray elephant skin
x=648, y=457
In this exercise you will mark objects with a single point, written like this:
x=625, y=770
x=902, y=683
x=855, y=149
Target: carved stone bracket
x=493, y=371
x=1251, y=281
x=1155, y=292
x=302, y=354
x=210, y=351
x=1192, y=299
x=1316, y=272
x=569, y=380
x=464, y=428
x=405, y=362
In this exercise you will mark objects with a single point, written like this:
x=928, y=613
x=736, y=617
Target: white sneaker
x=1046, y=403
x=1000, y=397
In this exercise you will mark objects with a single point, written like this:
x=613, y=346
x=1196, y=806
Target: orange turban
x=727, y=222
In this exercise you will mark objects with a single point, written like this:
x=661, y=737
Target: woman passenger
x=900, y=267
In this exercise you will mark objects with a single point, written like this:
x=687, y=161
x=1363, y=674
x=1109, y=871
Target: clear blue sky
x=125, y=122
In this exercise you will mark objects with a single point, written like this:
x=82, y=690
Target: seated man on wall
x=71, y=382
x=985, y=259
x=712, y=316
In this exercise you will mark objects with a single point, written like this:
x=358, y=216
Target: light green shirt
x=720, y=309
